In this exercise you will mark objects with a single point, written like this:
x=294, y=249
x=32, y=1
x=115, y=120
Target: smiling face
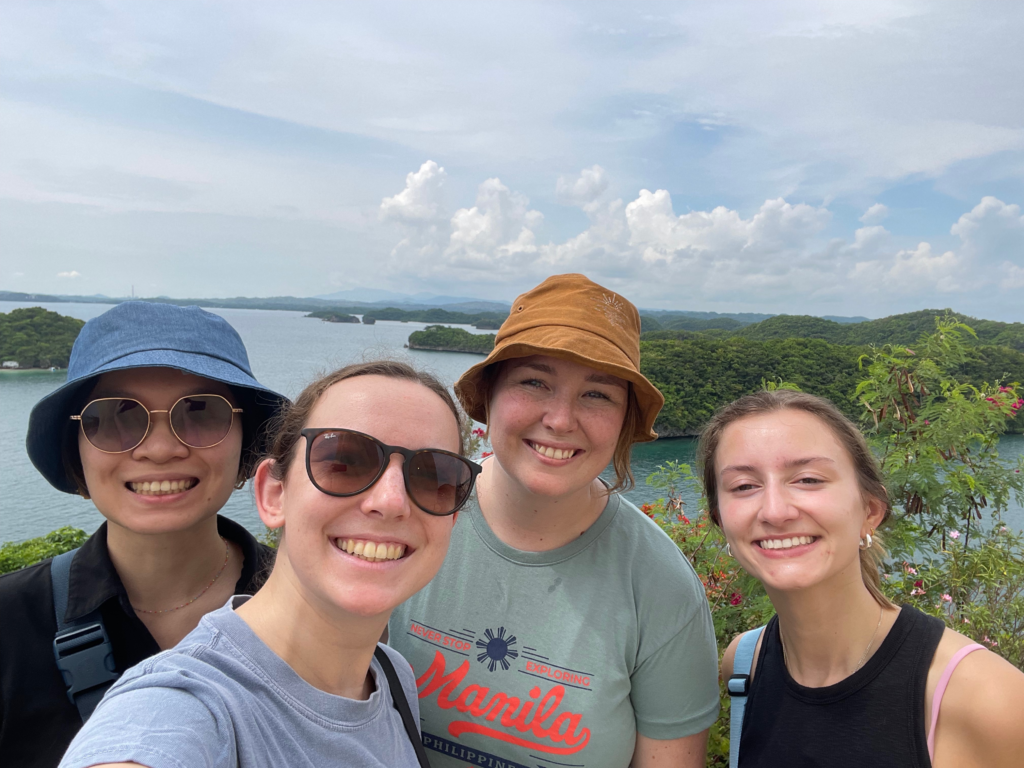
x=198, y=480
x=790, y=502
x=328, y=540
x=554, y=424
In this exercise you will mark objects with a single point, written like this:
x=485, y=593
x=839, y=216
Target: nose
x=160, y=444
x=387, y=497
x=560, y=415
x=776, y=507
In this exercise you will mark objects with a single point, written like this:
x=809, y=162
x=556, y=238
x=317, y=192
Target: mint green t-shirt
x=559, y=658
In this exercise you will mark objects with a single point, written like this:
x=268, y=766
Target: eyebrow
x=788, y=465
x=596, y=377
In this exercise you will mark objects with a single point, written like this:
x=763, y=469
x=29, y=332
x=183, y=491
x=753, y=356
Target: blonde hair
x=869, y=476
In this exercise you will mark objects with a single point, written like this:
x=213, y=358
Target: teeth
x=795, y=541
x=369, y=550
x=162, y=487
x=552, y=453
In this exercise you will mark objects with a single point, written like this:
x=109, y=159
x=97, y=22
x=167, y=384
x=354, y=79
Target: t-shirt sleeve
x=155, y=727
x=674, y=685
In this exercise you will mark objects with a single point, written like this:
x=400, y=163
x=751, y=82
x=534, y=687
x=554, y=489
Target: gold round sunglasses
x=121, y=424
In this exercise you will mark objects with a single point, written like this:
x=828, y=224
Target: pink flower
x=912, y=571
x=967, y=621
x=947, y=599
x=954, y=535
x=917, y=592
x=918, y=583
x=926, y=422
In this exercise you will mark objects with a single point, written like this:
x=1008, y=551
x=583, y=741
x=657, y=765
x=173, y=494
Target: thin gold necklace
x=227, y=555
x=863, y=658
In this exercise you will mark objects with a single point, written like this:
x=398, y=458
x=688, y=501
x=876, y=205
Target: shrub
x=15, y=555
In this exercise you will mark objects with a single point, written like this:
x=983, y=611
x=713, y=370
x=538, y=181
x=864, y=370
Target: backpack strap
x=402, y=705
x=738, y=686
x=81, y=648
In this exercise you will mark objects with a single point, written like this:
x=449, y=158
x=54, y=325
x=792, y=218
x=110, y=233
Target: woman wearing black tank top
x=842, y=677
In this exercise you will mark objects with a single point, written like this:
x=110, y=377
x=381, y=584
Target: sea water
x=286, y=350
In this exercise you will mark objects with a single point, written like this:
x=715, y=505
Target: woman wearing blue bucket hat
x=159, y=421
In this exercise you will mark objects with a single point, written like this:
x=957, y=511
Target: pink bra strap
x=940, y=689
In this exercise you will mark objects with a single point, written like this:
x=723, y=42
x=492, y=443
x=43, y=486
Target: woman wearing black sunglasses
x=364, y=479
x=159, y=421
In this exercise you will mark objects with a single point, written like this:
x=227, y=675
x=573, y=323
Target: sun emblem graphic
x=612, y=309
x=497, y=649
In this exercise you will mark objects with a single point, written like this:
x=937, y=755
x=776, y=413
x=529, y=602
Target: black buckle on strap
x=85, y=658
x=738, y=685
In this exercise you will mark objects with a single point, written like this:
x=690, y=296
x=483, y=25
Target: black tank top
x=872, y=719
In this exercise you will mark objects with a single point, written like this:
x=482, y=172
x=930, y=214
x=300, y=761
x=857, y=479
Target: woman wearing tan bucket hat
x=565, y=628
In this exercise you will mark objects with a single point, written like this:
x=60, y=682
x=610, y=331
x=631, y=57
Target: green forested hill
x=897, y=329
x=37, y=338
x=697, y=373
x=441, y=338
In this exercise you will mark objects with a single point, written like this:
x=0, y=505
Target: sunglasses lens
x=438, y=482
x=115, y=425
x=344, y=463
x=202, y=420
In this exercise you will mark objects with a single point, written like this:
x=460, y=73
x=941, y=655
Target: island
x=333, y=317
x=441, y=338
x=487, y=325
x=369, y=320
x=34, y=337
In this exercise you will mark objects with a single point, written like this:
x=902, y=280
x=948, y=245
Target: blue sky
x=844, y=158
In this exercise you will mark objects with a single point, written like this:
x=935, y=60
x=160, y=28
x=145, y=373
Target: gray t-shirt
x=222, y=698
x=560, y=657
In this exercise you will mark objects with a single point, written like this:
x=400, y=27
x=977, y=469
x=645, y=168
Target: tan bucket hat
x=573, y=318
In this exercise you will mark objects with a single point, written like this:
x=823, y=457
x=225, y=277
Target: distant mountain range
x=357, y=298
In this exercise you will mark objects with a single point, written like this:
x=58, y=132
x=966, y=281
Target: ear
x=269, y=493
x=876, y=512
x=454, y=518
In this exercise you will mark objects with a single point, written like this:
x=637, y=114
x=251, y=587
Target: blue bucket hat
x=142, y=334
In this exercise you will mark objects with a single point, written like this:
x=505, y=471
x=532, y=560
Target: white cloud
x=779, y=251
x=992, y=231
x=583, y=189
x=70, y=275
x=496, y=232
x=421, y=201
x=876, y=214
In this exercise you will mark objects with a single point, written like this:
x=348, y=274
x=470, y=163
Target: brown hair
x=627, y=434
x=286, y=426
x=869, y=477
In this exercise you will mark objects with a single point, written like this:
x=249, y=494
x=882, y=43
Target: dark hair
x=253, y=437
x=285, y=428
x=624, y=480
x=869, y=476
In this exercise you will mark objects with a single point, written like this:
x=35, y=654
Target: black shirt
x=875, y=717
x=37, y=721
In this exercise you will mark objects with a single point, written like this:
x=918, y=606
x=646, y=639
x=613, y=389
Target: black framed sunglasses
x=343, y=462
x=120, y=424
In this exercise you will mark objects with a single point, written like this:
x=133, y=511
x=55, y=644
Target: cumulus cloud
x=495, y=231
x=584, y=189
x=779, y=251
x=421, y=201
x=875, y=214
x=992, y=230
x=71, y=275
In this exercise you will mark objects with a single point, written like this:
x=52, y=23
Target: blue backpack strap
x=738, y=687
x=81, y=647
